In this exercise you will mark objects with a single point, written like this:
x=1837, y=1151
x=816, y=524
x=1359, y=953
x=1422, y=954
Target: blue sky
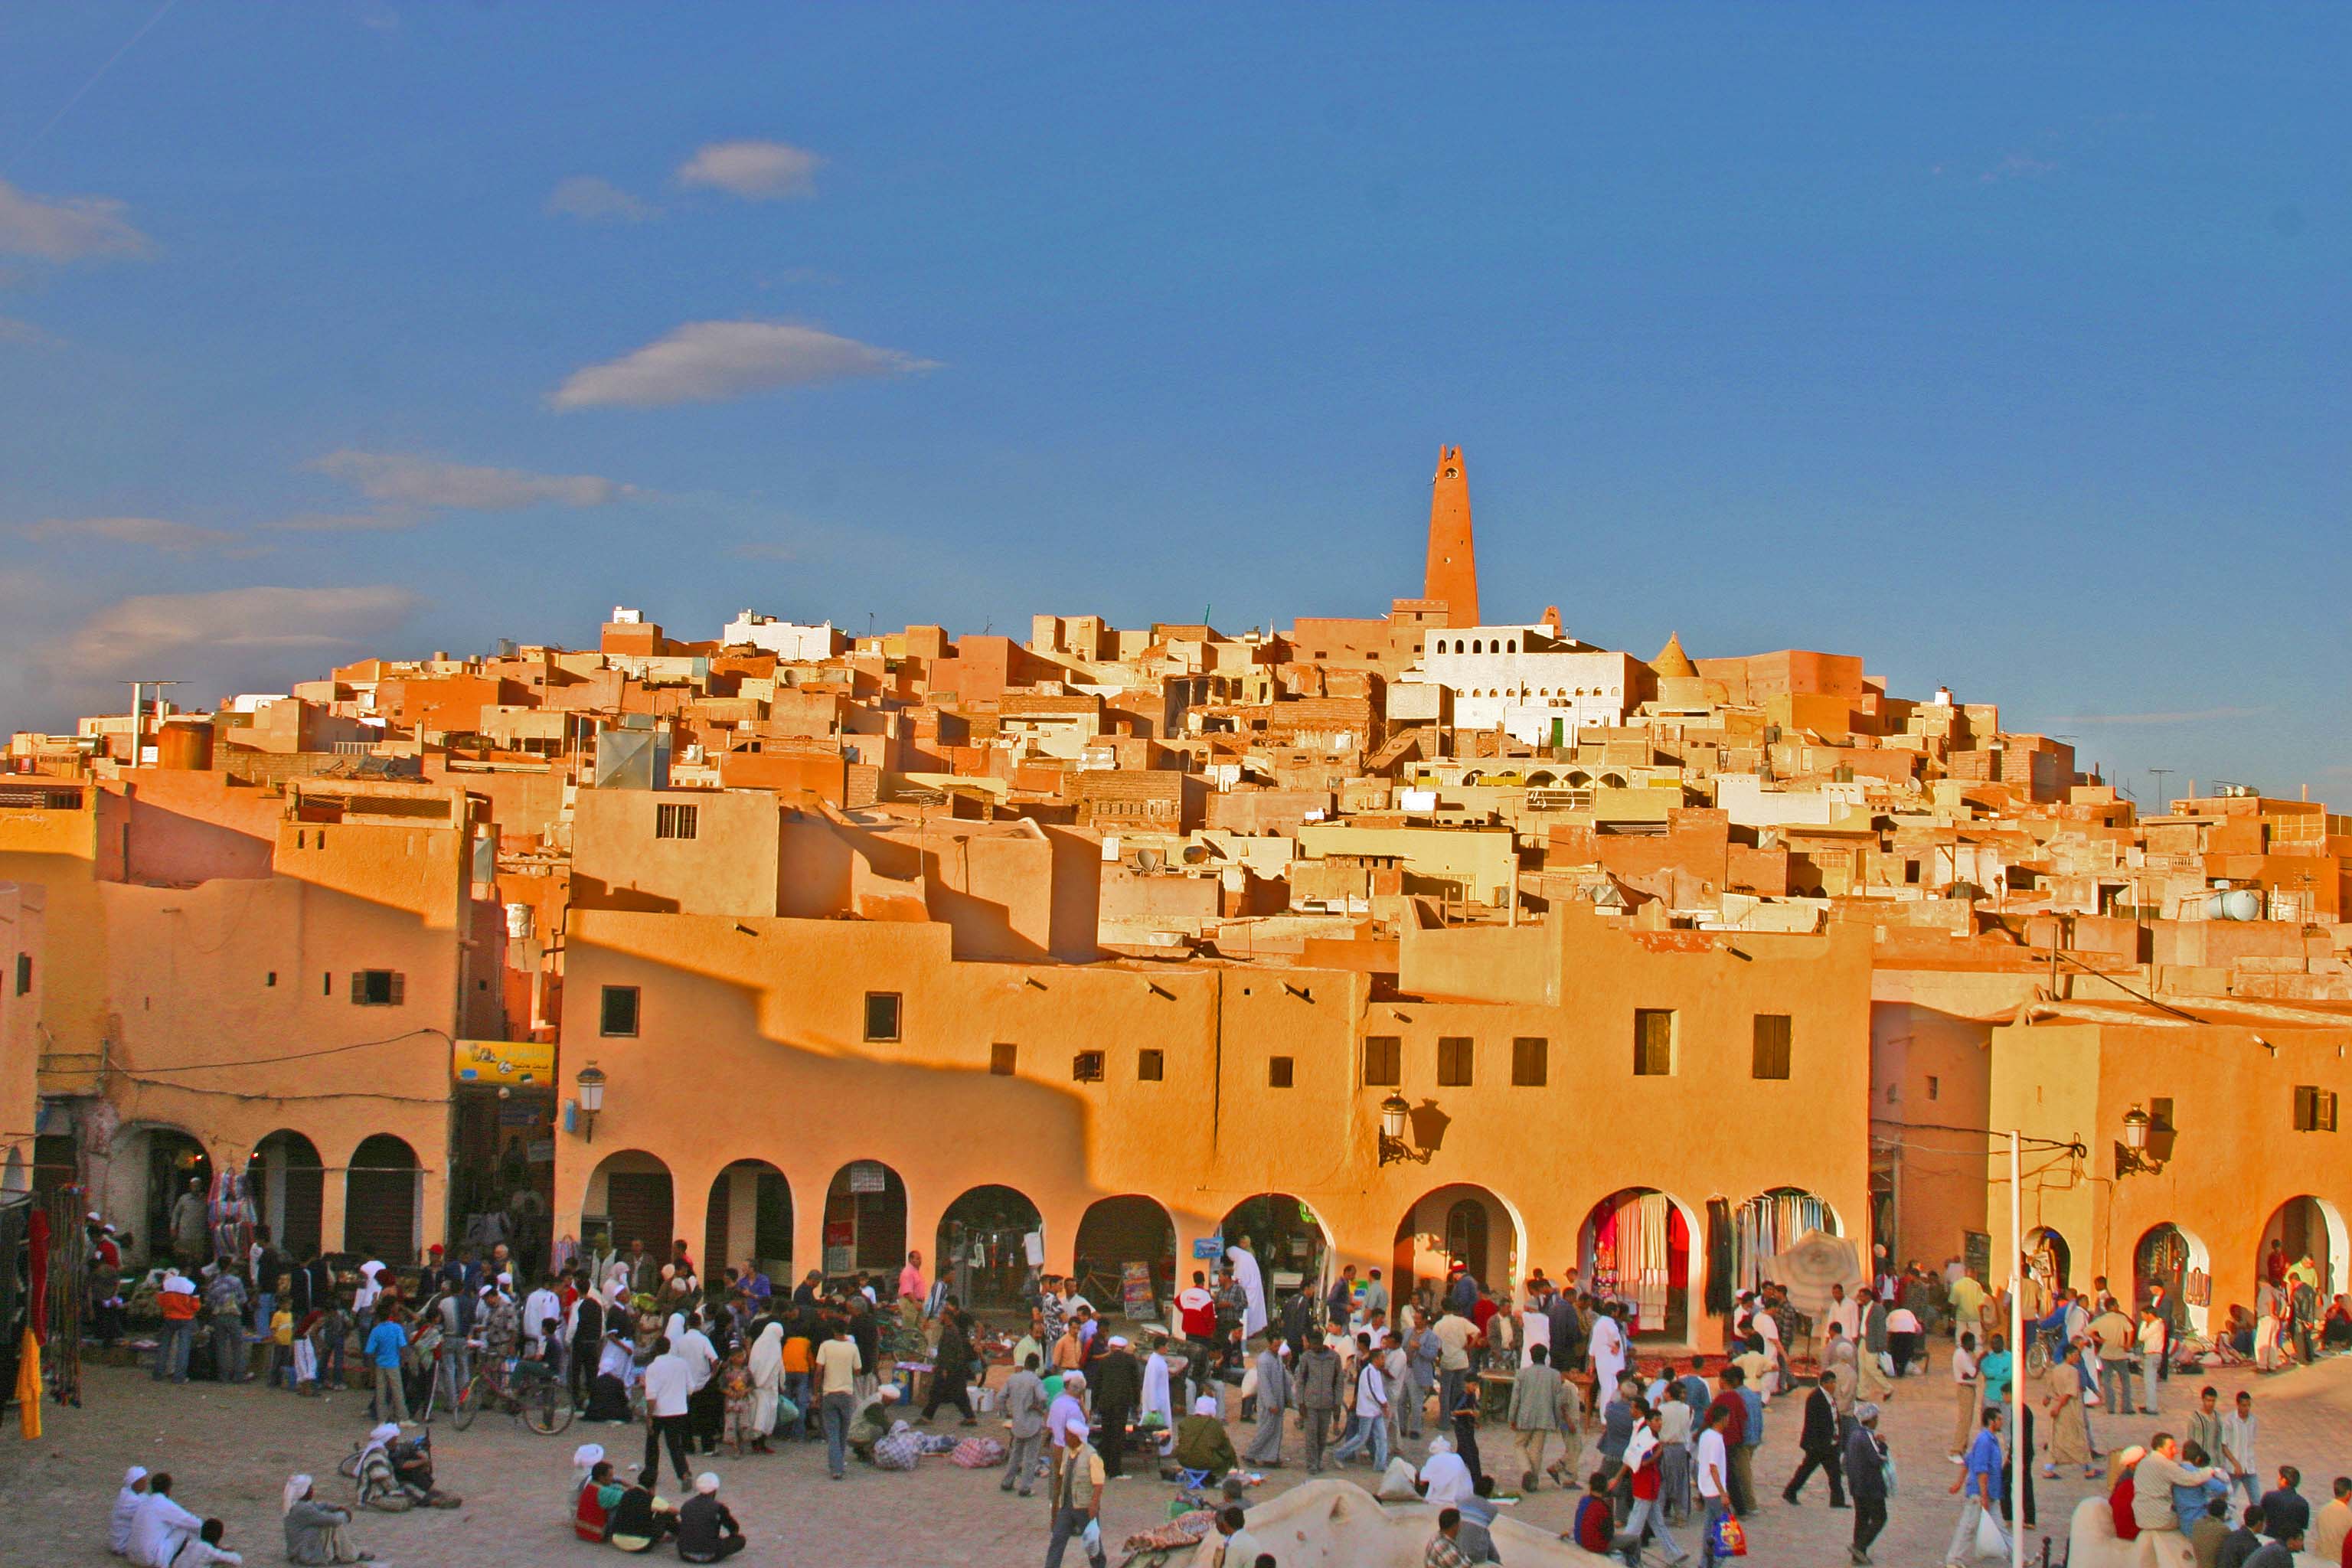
x=2006, y=347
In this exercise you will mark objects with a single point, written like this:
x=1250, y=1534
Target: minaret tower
x=1452, y=575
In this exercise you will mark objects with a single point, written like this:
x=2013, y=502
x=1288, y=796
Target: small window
x=24, y=975
x=619, y=1014
x=1151, y=1066
x=2315, y=1108
x=1453, y=1053
x=1530, y=1062
x=1771, y=1053
x=1087, y=1067
x=1002, y=1058
x=676, y=821
x=882, y=1016
x=327, y=984
x=1654, y=1042
x=377, y=988
x=1382, y=1058
x=1911, y=871
x=271, y=978
x=1279, y=1070
x=1935, y=1086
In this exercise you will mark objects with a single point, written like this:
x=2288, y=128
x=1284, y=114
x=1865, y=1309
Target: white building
x=1536, y=684
x=791, y=643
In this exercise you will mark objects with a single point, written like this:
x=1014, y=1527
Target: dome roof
x=1673, y=663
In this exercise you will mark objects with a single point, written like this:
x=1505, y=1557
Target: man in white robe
x=1253, y=1284
x=1156, y=1396
x=161, y=1527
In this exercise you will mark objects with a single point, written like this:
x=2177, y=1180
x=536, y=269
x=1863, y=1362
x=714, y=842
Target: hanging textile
x=1721, y=1295
x=28, y=1386
x=1767, y=1226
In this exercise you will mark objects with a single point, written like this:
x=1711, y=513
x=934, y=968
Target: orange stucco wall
x=774, y=1009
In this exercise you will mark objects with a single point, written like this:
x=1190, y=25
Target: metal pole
x=2017, y=1454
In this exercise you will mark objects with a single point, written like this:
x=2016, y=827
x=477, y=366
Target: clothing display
x=1762, y=1228
x=1640, y=1252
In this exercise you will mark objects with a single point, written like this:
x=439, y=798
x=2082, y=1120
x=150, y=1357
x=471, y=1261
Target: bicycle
x=540, y=1401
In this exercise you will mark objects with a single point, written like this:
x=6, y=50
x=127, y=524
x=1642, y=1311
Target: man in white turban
x=1444, y=1478
x=315, y=1530
x=126, y=1509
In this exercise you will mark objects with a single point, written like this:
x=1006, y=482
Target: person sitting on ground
x=589, y=1511
x=873, y=1421
x=634, y=1519
x=205, y=1547
x=1478, y=1510
x=1444, y=1478
x=707, y=1531
x=2190, y=1498
x=1596, y=1516
x=1444, y=1547
x=2205, y=1536
x=161, y=1527
x=126, y=1509
x=2158, y=1471
x=2280, y=1553
x=1201, y=1440
x=395, y=1473
x=315, y=1530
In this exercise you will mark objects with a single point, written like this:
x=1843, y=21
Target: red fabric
x=1198, y=1310
x=588, y=1519
x=1645, y=1479
x=1483, y=1313
x=1736, y=1429
x=37, y=1234
x=2120, y=1502
x=178, y=1306
x=1596, y=1525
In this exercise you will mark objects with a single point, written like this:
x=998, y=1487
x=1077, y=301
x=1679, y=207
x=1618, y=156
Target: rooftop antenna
x=2158, y=773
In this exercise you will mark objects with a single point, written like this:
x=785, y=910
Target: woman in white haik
x=1253, y=1284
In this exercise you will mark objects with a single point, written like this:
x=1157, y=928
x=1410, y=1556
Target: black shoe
x=1790, y=1499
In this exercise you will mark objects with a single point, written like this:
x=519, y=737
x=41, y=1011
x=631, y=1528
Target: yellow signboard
x=515, y=1062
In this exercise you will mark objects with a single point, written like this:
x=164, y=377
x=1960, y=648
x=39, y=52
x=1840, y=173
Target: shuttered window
x=1453, y=1058
x=378, y=988
x=1770, y=1056
x=1654, y=1042
x=1531, y=1061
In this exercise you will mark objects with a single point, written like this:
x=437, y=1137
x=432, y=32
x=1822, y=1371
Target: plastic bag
x=1092, y=1538
x=788, y=1415
x=1990, y=1543
x=1727, y=1536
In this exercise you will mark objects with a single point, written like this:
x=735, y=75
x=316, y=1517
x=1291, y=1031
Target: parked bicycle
x=527, y=1390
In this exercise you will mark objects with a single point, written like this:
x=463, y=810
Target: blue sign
x=1209, y=1247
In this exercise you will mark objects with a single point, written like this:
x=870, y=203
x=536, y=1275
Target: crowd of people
x=1662, y=1458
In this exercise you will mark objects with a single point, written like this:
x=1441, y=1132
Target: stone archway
x=1118, y=1237
x=290, y=1192
x=380, y=1200
x=747, y=1220
x=1637, y=1245
x=985, y=1245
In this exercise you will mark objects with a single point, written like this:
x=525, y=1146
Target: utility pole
x=139, y=713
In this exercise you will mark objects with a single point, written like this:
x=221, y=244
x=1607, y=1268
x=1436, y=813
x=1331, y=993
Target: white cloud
x=706, y=361
x=755, y=171
x=409, y=480
x=383, y=520
x=598, y=201
x=67, y=228
x=225, y=634
x=151, y=533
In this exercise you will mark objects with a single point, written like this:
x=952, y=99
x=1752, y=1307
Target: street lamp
x=591, y=1100
x=2132, y=1157
x=1394, y=1111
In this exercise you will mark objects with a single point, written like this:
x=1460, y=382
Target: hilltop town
x=1403, y=940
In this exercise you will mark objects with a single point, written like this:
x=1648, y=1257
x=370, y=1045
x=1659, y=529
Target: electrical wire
x=283, y=1099
x=306, y=1056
